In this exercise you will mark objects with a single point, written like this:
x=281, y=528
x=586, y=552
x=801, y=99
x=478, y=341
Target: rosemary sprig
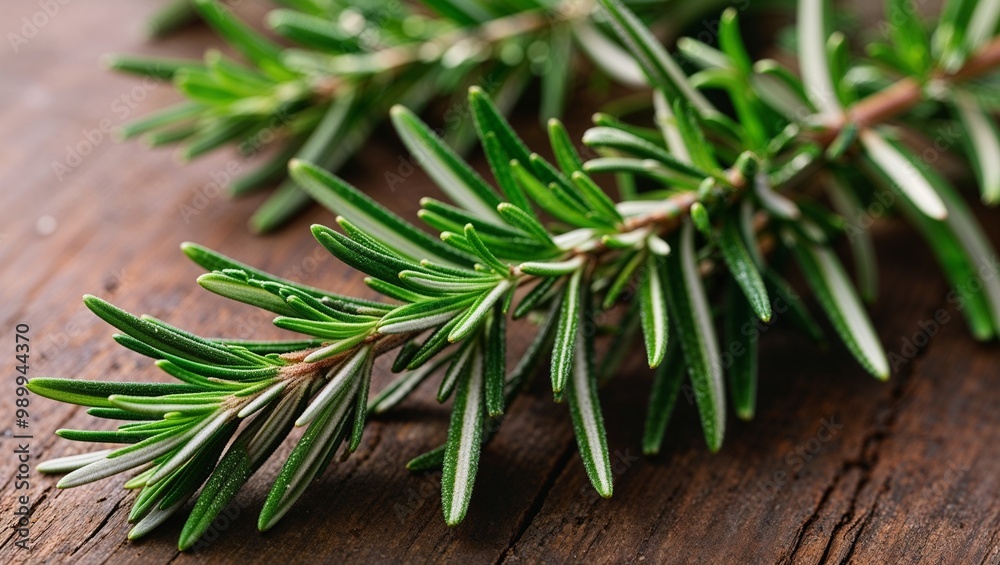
x=351, y=62
x=722, y=191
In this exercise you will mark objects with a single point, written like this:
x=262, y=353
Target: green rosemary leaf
x=240, y=291
x=913, y=184
x=829, y=282
x=661, y=70
x=596, y=198
x=336, y=348
x=499, y=161
x=376, y=221
x=154, y=67
x=403, y=386
x=489, y=119
x=117, y=414
x=364, y=259
x=796, y=310
x=425, y=314
x=687, y=302
x=585, y=410
x=458, y=218
x=982, y=25
x=461, y=457
x=159, y=336
x=562, y=146
x=551, y=268
x=742, y=353
x=847, y=204
x=323, y=436
x=436, y=284
x=525, y=221
x=558, y=73
x=313, y=31
x=626, y=268
x=483, y=253
x=535, y=296
x=212, y=261
x=532, y=356
x=495, y=359
x=105, y=436
x=71, y=463
x=692, y=137
x=327, y=330
x=478, y=311
x=653, y=308
x=547, y=199
x=813, y=33
x=667, y=382
x=177, y=14
x=361, y=405
x=251, y=44
x=434, y=343
x=459, y=181
x=96, y=393
x=433, y=459
x=566, y=333
x=702, y=54
x=741, y=265
x=960, y=252
x=982, y=142
x=169, y=116
x=457, y=370
x=624, y=141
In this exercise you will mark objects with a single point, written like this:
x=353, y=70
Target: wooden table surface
x=836, y=467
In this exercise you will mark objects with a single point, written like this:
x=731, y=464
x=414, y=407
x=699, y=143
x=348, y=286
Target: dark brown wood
x=908, y=471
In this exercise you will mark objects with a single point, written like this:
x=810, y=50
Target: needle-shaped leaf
x=566, y=333
x=585, y=410
x=309, y=456
x=456, y=178
x=667, y=382
x=813, y=63
x=741, y=353
x=661, y=70
x=836, y=294
x=847, y=204
x=982, y=141
x=617, y=139
x=689, y=308
x=653, y=310
x=376, y=221
x=910, y=180
x=160, y=337
x=478, y=311
x=741, y=265
x=461, y=457
x=96, y=393
x=495, y=353
x=526, y=222
x=483, y=253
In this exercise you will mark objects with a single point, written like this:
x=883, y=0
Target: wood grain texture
x=835, y=468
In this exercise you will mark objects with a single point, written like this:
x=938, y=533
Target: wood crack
x=539, y=500
x=885, y=420
x=104, y=522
